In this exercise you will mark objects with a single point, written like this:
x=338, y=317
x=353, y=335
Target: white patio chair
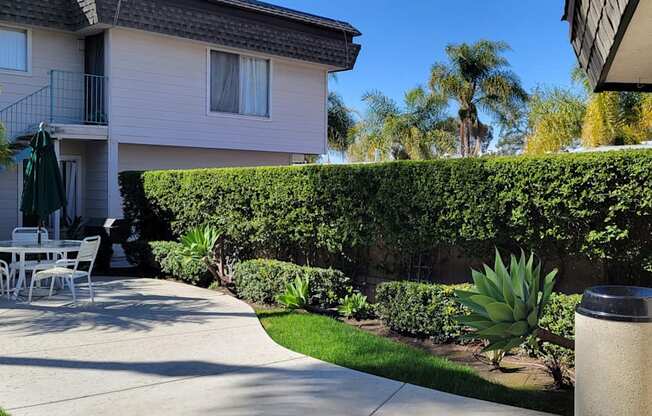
x=29, y=234
x=4, y=278
x=68, y=270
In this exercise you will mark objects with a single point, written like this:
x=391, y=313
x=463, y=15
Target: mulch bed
x=516, y=370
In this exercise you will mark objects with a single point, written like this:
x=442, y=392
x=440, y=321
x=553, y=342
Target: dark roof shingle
x=293, y=14
x=242, y=24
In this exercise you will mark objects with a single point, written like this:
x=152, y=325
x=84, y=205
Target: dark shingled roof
x=242, y=24
x=293, y=14
x=596, y=28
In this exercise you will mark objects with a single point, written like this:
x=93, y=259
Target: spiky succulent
x=506, y=304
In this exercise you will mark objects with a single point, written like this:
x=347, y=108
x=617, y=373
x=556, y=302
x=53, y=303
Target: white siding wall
x=96, y=189
x=141, y=157
x=94, y=174
x=8, y=202
x=50, y=50
x=158, y=89
x=148, y=157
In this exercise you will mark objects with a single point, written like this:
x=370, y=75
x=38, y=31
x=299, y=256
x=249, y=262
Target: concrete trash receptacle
x=613, y=352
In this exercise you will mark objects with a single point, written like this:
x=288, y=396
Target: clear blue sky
x=402, y=39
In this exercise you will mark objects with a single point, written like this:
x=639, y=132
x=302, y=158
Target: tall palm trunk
x=477, y=134
x=462, y=136
x=467, y=138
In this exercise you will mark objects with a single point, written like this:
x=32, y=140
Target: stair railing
x=70, y=98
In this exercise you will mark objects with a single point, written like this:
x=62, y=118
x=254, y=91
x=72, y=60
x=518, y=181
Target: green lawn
x=329, y=340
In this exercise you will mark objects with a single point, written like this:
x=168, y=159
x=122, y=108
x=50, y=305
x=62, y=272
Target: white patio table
x=23, y=248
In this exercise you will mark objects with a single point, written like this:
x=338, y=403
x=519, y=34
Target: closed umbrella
x=43, y=190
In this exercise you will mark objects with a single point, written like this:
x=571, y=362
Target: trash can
x=613, y=352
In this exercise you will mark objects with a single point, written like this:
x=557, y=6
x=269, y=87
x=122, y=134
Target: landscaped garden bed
x=336, y=342
x=411, y=317
x=406, y=317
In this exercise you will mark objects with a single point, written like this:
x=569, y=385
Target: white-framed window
x=238, y=84
x=14, y=49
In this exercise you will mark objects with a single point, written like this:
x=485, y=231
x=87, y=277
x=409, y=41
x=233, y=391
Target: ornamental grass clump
x=507, y=303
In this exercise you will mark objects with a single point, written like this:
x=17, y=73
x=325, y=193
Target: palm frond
x=340, y=122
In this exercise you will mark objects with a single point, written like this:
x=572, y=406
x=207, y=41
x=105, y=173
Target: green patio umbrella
x=43, y=190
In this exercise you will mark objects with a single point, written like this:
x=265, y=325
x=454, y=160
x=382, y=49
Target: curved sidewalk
x=164, y=348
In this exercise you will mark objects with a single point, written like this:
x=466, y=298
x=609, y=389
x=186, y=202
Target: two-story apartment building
x=162, y=84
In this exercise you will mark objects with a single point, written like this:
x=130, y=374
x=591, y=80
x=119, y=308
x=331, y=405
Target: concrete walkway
x=152, y=347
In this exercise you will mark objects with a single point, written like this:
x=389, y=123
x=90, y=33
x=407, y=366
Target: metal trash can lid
x=617, y=303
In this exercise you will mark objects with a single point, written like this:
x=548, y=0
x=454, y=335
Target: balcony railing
x=70, y=98
x=78, y=98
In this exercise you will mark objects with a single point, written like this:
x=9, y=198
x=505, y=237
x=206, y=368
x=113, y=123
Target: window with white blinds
x=13, y=49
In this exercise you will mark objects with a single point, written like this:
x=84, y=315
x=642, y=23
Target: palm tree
x=477, y=77
x=420, y=129
x=613, y=118
x=340, y=122
x=554, y=120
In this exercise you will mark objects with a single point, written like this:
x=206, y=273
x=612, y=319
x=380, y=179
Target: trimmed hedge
x=420, y=309
x=262, y=280
x=166, y=255
x=596, y=205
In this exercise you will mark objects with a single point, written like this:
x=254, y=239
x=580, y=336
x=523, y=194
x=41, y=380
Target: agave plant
x=296, y=294
x=199, y=244
x=507, y=303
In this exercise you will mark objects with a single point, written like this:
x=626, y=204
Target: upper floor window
x=239, y=84
x=13, y=49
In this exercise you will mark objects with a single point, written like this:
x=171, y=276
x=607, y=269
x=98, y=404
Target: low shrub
x=261, y=281
x=139, y=253
x=355, y=306
x=420, y=309
x=559, y=318
x=171, y=261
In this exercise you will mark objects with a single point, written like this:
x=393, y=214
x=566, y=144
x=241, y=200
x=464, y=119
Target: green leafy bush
x=171, y=260
x=420, y=309
x=559, y=318
x=139, y=253
x=598, y=206
x=355, y=306
x=261, y=281
x=296, y=294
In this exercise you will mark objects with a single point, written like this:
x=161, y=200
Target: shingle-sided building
x=163, y=84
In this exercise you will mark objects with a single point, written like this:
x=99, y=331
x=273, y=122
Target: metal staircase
x=70, y=98
x=23, y=117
